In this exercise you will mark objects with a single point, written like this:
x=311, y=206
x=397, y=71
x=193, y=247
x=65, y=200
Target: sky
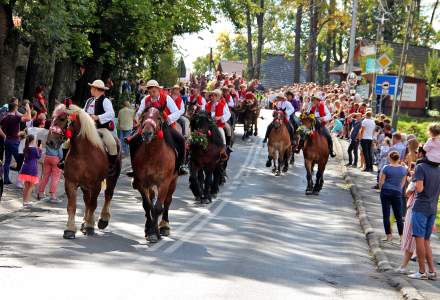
x=194, y=45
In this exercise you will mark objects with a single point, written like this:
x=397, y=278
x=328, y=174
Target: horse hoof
x=206, y=200
x=308, y=193
x=255, y=133
x=152, y=238
x=164, y=231
x=69, y=234
x=316, y=193
x=214, y=196
x=102, y=224
x=89, y=231
x=83, y=228
x=277, y=173
x=285, y=170
x=268, y=164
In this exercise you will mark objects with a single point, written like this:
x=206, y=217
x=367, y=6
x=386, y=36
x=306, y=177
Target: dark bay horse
x=86, y=166
x=155, y=174
x=279, y=144
x=248, y=112
x=315, y=151
x=207, y=157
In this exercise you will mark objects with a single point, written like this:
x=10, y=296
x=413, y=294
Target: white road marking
x=223, y=201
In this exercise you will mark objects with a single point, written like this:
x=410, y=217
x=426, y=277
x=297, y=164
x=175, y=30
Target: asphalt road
x=262, y=238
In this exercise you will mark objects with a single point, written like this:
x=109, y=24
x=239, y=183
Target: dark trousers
x=391, y=198
x=2, y=148
x=368, y=155
x=353, y=151
x=11, y=150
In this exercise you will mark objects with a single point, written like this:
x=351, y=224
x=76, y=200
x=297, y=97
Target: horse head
x=58, y=127
x=279, y=117
x=308, y=120
x=152, y=124
x=72, y=122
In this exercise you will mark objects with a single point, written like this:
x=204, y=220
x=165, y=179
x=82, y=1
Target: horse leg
x=164, y=226
x=105, y=216
x=280, y=162
x=286, y=161
x=160, y=195
x=86, y=197
x=270, y=157
x=319, y=177
x=146, y=204
x=207, y=189
x=93, y=203
x=69, y=232
x=256, y=126
x=194, y=184
x=308, y=165
x=216, y=181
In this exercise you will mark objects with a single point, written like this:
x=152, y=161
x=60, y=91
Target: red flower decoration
x=209, y=133
x=159, y=134
x=68, y=133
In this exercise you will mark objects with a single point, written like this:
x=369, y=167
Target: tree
x=297, y=54
x=313, y=36
x=260, y=37
x=432, y=73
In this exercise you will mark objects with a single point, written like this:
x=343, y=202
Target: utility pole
x=352, y=37
x=379, y=42
x=402, y=66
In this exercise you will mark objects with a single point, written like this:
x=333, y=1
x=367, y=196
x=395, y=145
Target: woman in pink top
x=432, y=146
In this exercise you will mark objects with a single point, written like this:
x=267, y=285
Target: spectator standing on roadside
x=427, y=186
x=432, y=146
x=11, y=127
x=398, y=145
x=392, y=179
x=29, y=171
x=125, y=124
x=366, y=134
x=354, y=140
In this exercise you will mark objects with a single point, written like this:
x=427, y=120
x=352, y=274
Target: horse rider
x=157, y=98
x=197, y=99
x=183, y=121
x=219, y=111
x=283, y=104
x=226, y=93
x=100, y=109
x=322, y=116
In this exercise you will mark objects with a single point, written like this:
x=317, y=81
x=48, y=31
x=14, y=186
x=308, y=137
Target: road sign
x=372, y=66
x=385, y=84
x=384, y=61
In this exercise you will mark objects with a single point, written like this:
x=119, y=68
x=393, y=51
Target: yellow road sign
x=384, y=61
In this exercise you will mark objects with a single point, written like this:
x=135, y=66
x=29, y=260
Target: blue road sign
x=384, y=81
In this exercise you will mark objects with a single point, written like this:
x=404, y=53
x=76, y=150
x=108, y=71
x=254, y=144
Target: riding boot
x=228, y=144
x=327, y=135
x=60, y=164
x=179, y=141
x=291, y=134
x=266, y=137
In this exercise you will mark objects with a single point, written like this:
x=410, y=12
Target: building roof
x=417, y=56
x=228, y=66
x=277, y=71
x=342, y=70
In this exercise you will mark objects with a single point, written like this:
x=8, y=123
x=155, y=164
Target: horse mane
x=202, y=118
x=88, y=128
x=59, y=110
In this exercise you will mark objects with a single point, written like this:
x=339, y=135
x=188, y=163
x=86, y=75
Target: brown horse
x=315, y=151
x=155, y=175
x=279, y=145
x=86, y=166
x=207, y=157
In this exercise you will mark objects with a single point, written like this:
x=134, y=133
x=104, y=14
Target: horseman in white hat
x=283, y=104
x=157, y=98
x=100, y=109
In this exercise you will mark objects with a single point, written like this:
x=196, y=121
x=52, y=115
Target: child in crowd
x=51, y=170
x=29, y=171
x=432, y=146
x=337, y=126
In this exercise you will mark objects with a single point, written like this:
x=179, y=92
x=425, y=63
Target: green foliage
x=432, y=73
x=231, y=47
x=415, y=125
x=201, y=64
x=167, y=74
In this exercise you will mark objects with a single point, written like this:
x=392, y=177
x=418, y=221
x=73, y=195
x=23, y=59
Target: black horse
x=207, y=156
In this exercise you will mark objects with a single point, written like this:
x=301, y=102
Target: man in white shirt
x=100, y=108
x=366, y=135
x=283, y=104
